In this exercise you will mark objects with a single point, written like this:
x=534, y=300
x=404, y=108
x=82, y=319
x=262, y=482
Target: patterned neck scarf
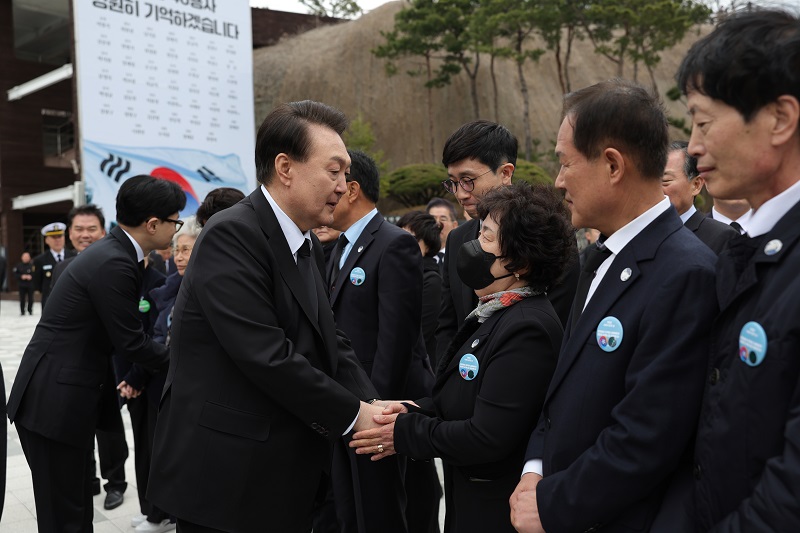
x=490, y=303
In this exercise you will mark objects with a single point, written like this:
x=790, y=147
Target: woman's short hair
x=215, y=201
x=190, y=228
x=425, y=228
x=535, y=233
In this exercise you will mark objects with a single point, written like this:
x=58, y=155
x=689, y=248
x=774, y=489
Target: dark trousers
x=137, y=407
x=424, y=493
x=113, y=450
x=369, y=496
x=26, y=299
x=62, y=487
x=188, y=527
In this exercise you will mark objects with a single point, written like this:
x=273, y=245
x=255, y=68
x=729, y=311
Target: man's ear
x=615, y=164
x=506, y=171
x=151, y=225
x=353, y=191
x=696, y=185
x=283, y=169
x=786, y=112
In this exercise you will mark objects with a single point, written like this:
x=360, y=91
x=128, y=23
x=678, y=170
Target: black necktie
x=337, y=258
x=307, y=273
x=58, y=258
x=440, y=258
x=594, y=259
x=738, y=227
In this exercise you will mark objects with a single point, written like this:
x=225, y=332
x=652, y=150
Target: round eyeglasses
x=466, y=183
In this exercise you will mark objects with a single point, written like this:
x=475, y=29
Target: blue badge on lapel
x=468, y=367
x=357, y=276
x=752, y=344
x=609, y=334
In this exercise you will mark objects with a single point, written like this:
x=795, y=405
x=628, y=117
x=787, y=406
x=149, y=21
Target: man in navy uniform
x=743, y=94
x=44, y=263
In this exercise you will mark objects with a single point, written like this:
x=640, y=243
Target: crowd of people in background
x=291, y=360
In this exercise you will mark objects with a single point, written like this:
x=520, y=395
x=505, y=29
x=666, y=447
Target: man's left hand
x=524, y=508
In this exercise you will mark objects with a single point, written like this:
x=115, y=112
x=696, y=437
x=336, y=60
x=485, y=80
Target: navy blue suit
x=616, y=426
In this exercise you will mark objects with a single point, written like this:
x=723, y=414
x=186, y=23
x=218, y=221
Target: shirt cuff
x=534, y=466
x=353, y=423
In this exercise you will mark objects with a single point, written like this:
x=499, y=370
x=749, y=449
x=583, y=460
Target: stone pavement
x=19, y=514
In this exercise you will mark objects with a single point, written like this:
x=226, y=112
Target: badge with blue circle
x=468, y=367
x=144, y=306
x=357, y=276
x=752, y=344
x=609, y=334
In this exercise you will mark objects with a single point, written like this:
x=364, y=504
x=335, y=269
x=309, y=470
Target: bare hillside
x=334, y=65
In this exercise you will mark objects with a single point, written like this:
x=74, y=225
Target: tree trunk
x=526, y=114
x=567, y=56
x=561, y=81
x=431, y=138
x=473, y=84
x=494, y=86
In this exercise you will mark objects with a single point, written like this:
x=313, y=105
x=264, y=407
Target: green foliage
x=414, y=185
x=359, y=136
x=333, y=8
x=531, y=173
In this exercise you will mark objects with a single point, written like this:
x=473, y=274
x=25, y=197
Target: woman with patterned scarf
x=491, y=384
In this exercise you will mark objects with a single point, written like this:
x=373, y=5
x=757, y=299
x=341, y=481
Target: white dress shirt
x=765, y=217
x=742, y=220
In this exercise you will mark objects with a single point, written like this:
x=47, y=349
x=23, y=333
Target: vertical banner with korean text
x=165, y=88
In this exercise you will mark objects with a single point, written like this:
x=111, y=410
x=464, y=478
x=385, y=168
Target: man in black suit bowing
x=260, y=383
x=56, y=400
x=375, y=279
x=682, y=183
x=616, y=428
x=480, y=156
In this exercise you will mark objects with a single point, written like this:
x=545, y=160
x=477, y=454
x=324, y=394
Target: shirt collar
x=294, y=237
x=139, y=251
x=742, y=220
x=354, y=231
x=56, y=254
x=626, y=233
x=765, y=217
x=688, y=214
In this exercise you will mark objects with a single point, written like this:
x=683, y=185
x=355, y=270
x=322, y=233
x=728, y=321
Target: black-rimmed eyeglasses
x=178, y=223
x=467, y=184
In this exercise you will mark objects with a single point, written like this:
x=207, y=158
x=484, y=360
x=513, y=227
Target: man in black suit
x=616, y=428
x=480, y=156
x=86, y=225
x=445, y=214
x=24, y=274
x=57, y=400
x=375, y=280
x=260, y=384
x=682, y=183
x=743, y=94
x=45, y=263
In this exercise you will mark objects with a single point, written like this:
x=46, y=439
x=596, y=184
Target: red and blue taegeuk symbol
x=164, y=173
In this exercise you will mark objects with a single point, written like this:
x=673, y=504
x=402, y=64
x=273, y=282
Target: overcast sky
x=297, y=7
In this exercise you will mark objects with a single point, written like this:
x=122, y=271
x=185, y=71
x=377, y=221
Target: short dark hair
x=86, y=209
x=748, y=61
x=364, y=171
x=689, y=161
x=425, y=228
x=215, y=201
x=441, y=202
x=535, y=231
x=488, y=142
x=285, y=131
x=142, y=197
x=622, y=113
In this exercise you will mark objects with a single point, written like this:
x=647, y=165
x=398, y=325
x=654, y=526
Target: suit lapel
x=694, y=221
x=468, y=297
x=358, y=249
x=642, y=248
x=280, y=249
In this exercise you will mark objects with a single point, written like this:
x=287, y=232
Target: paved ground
x=19, y=515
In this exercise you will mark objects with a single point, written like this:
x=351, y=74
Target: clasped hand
x=379, y=440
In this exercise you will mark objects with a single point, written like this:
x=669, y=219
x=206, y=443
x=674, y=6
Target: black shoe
x=114, y=499
x=95, y=487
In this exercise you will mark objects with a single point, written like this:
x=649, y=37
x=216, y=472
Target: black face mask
x=474, y=266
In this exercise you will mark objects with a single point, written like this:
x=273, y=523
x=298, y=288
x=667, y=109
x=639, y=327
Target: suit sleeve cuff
x=534, y=466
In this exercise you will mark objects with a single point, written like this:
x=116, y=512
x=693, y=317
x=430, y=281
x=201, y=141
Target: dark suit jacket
x=258, y=386
x=616, y=425
x=44, y=264
x=382, y=315
x=458, y=300
x=480, y=428
x=431, y=302
x=749, y=433
x=66, y=367
x=713, y=233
